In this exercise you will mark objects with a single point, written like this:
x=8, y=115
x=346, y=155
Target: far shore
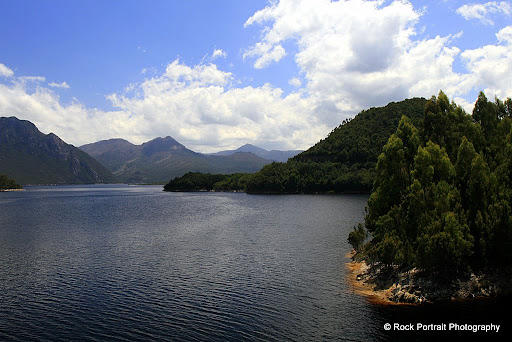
x=10, y=190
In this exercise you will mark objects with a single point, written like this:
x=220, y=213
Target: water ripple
x=126, y=264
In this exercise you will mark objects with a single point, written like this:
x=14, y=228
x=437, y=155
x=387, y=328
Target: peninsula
x=440, y=210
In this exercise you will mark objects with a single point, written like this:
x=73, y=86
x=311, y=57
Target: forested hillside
x=345, y=160
x=442, y=199
x=342, y=162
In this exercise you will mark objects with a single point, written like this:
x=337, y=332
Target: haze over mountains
x=31, y=157
x=273, y=155
x=163, y=159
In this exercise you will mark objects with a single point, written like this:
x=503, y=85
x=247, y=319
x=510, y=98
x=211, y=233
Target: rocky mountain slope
x=162, y=159
x=32, y=157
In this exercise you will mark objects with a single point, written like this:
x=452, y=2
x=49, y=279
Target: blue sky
x=219, y=74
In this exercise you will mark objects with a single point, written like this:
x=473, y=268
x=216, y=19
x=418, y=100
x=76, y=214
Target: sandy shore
x=364, y=288
x=413, y=287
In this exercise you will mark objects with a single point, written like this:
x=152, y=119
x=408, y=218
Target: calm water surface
x=130, y=263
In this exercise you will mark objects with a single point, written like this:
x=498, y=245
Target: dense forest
x=442, y=194
x=197, y=181
x=342, y=162
x=7, y=183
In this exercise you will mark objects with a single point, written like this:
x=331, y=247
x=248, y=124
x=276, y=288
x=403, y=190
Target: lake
x=134, y=263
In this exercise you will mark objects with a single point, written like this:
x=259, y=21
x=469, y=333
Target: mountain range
x=273, y=155
x=31, y=157
x=343, y=161
x=162, y=159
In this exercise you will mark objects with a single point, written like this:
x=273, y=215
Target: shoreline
x=416, y=288
x=356, y=272
x=11, y=190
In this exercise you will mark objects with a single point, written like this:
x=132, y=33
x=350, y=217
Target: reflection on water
x=132, y=263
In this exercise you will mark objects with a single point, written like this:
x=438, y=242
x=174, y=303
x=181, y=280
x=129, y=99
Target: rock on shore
x=388, y=285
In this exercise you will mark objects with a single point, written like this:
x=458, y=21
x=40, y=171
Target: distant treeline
x=343, y=162
x=442, y=196
x=7, y=183
x=197, y=181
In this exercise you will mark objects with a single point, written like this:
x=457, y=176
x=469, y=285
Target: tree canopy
x=7, y=183
x=442, y=193
x=342, y=162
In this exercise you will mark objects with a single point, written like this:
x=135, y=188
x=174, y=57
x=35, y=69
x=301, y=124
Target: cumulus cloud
x=490, y=66
x=483, y=12
x=59, y=85
x=5, y=71
x=218, y=53
x=74, y=122
x=351, y=55
x=267, y=54
x=356, y=54
x=197, y=105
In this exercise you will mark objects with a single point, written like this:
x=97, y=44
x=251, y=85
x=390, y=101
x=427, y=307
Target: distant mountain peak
x=161, y=145
x=162, y=159
x=250, y=148
x=32, y=157
x=274, y=155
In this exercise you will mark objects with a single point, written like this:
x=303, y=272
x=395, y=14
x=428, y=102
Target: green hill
x=32, y=157
x=345, y=160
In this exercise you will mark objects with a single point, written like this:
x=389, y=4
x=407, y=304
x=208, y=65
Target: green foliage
x=194, y=181
x=7, y=183
x=442, y=195
x=234, y=182
x=357, y=236
x=197, y=181
x=345, y=160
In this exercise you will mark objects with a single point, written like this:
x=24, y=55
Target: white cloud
x=74, y=122
x=5, y=71
x=200, y=75
x=218, y=53
x=197, y=105
x=491, y=65
x=296, y=82
x=357, y=54
x=351, y=55
x=267, y=54
x=59, y=85
x=35, y=79
x=482, y=12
